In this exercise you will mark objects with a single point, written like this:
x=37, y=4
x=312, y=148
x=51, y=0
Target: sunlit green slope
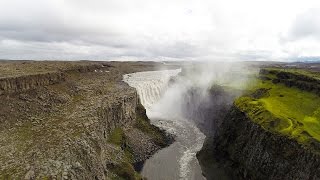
x=278, y=103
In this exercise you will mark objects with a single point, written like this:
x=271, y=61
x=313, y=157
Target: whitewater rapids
x=178, y=161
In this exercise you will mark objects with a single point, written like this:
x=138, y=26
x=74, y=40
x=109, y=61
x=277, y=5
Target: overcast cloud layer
x=160, y=30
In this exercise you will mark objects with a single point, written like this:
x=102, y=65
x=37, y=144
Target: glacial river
x=178, y=161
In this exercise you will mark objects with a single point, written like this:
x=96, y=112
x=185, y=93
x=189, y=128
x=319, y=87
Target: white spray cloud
x=176, y=105
x=197, y=80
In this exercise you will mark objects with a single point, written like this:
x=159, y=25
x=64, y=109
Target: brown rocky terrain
x=61, y=120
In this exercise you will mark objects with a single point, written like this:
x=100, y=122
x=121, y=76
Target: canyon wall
x=22, y=83
x=207, y=110
x=241, y=149
x=89, y=155
x=254, y=153
x=31, y=81
x=75, y=124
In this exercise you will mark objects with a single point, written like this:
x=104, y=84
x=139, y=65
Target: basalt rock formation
x=22, y=83
x=254, y=153
x=80, y=122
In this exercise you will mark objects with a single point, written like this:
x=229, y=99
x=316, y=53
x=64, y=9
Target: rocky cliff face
x=87, y=156
x=120, y=111
x=252, y=152
x=241, y=148
x=31, y=81
x=207, y=110
x=77, y=124
x=22, y=83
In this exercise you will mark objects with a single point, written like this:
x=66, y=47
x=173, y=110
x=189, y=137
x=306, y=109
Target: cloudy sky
x=160, y=30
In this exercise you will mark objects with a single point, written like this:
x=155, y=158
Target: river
x=178, y=161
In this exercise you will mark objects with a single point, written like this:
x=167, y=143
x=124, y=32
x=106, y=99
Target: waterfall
x=164, y=106
x=150, y=85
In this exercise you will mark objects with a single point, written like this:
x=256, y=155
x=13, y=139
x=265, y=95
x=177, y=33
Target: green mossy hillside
x=291, y=72
x=279, y=108
x=299, y=78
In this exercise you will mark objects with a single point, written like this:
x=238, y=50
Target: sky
x=213, y=30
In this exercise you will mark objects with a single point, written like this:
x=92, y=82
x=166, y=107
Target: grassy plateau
x=288, y=110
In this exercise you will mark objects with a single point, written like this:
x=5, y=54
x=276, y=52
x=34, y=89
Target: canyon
x=154, y=120
x=161, y=99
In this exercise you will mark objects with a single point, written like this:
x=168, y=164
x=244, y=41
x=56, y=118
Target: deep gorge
x=188, y=111
x=130, y=121
x=235, y=147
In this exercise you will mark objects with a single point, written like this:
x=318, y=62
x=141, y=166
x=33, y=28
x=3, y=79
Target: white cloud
x=178, y=29
x=306, y=25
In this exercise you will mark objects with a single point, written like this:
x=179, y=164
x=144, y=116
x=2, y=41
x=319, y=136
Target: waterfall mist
x=188, y=103
x=196, y=93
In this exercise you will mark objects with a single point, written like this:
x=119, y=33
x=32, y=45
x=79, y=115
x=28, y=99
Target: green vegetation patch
x=124, y=171
x=300, y=78
x=279, y=108
x=292, y=71
x=117, y=137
